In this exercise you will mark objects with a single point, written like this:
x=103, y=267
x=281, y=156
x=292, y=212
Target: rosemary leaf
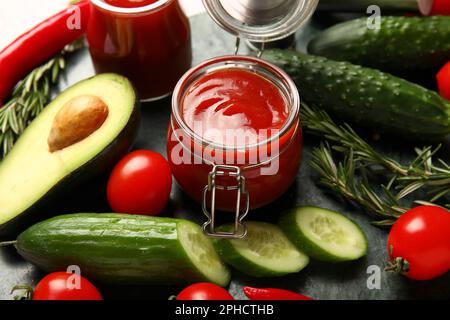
x=410, y=188
x=30, y=97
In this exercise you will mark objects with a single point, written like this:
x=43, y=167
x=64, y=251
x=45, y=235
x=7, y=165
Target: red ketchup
x=230, y=114
x=130, y=3
x=149, y=45
x=234, y=99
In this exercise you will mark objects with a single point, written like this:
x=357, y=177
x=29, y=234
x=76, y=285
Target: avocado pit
x=77, y=120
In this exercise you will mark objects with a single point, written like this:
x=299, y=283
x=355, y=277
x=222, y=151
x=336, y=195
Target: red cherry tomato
x=140, y=183
x=204, y=291
x=443, y=81
x=439, y=7
x=419, y=243
x=63, y=286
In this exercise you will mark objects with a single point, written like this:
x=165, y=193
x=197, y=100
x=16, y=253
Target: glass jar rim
x=292, y=21
x=150, y=7
x=294, y=103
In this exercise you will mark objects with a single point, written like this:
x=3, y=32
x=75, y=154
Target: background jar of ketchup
x=147, y=41
x=225, y=85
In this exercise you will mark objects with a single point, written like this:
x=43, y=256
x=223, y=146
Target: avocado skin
x=366, y=97
x=101, y=163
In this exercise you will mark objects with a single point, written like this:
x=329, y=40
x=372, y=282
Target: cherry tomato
x=443, y=80
x=439, y=7
x=63, y=286
x=204, y=291
x=140, y=183
x=419, y=243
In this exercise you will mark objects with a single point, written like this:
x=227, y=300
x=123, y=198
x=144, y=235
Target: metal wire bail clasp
x=240, y=230
x=238, y=44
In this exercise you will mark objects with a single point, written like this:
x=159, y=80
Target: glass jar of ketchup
x=147, y=41
x=235, y=141
x=234, y=137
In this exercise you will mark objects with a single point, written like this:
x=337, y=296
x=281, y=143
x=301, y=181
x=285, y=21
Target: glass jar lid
x=260, y=20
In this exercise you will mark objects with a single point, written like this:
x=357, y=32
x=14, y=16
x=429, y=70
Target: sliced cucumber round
x=264, y=252
x=324, y=234
x=202, y=254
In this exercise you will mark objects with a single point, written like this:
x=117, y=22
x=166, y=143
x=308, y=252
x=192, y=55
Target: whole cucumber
x=362, y=5
x=124, y=249
x=366, y=96
x=401, y=44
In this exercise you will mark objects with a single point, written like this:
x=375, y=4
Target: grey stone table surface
x=319, y=280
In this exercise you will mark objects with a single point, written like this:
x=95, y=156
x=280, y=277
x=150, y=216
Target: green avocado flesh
x=30, y=173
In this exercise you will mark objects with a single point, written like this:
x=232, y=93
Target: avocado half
x=33, y=175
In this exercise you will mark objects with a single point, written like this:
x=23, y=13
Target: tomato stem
x=399, y=265
x=26, y=295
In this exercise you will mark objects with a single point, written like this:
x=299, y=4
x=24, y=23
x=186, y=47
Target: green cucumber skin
x=366, y=97
x=288, y=223
x=402, y=44
x=232, y=257
x=111, y=248
x=361, y=6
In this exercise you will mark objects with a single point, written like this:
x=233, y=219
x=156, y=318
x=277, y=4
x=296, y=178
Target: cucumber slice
x=264, y=252
x=324, y=234
x=202, y=254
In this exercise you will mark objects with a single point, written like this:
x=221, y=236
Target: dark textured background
x=319, y=280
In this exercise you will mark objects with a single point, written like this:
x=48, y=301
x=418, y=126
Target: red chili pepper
x=41, y=43
x=273, y=294
x=443, y=81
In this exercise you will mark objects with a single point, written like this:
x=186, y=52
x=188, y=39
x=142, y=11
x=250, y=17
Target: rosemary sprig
x=349, y=177
x=345, y=138
x=30, y=97
x=424, y=173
